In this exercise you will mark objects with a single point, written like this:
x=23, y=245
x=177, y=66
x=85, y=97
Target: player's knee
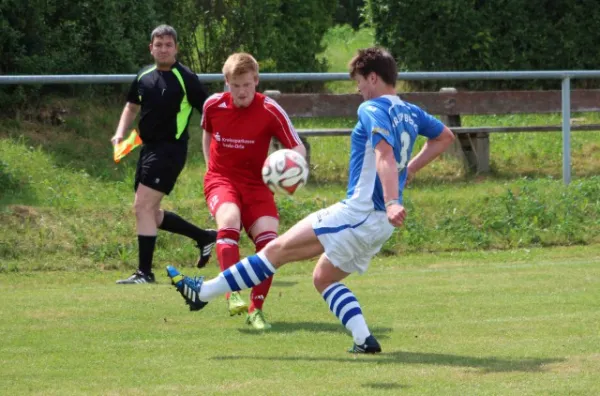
x=275, y=252
x=320, y=282
x=228, y=216
x=144, y=209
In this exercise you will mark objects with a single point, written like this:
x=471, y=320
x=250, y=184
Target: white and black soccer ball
x=285, y=171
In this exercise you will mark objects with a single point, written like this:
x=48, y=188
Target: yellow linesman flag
x=126, y=146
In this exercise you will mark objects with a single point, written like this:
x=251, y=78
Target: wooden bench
x=449, y=106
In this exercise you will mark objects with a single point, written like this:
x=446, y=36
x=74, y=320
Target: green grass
x=540, y=154
x=523, y=322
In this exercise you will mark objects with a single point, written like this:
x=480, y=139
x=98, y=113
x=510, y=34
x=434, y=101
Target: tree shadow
x=490, y=364
x=315, y=327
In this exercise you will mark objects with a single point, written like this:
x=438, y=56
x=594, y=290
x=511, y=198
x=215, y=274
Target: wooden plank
x=462, y=130
x=443, y=103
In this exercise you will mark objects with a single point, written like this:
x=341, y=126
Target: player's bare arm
x=206, y=139
x=388, y=174
x=431, y=149
x=300, y=149
x=129, y=113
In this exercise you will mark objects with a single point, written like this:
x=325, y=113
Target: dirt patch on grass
x=23, y=212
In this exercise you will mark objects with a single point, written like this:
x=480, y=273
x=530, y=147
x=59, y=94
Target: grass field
x=522, y=322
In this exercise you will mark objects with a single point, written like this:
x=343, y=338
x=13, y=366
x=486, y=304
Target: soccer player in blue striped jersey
x=348, y=234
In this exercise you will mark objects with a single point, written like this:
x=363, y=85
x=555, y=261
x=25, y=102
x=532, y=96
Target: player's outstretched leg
x=189, y=288
x=247, y=273
x=345, y=306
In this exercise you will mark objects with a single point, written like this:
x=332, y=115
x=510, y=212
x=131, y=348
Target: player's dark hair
x=374, y=60
x=163, y=30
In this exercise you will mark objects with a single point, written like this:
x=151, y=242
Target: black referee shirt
x=166, y=99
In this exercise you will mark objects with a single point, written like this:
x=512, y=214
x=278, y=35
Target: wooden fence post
x=473, y=148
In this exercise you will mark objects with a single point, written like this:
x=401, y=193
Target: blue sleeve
x=429, y=126
x=376, y=123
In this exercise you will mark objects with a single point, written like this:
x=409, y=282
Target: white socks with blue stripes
x=247, y=273
x=343, y=304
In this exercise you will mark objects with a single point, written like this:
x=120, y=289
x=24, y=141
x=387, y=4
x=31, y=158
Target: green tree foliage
x=349, y=12
x=284, y=36
x=72, y=36
x=112, y=36
x=209, y=31
x=484, y=35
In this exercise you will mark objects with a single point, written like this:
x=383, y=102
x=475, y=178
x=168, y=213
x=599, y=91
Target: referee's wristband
x=391, y=202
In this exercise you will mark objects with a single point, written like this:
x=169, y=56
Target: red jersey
x=241, y=135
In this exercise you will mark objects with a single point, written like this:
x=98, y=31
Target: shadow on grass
x=384, y=386
x=69, y=150
x=284, y=283
x=485, y=364
x=316, y=327
x=13, y=191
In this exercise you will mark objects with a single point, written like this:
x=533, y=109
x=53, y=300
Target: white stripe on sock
x=339, y=300
x=238, y=278
x=227, y=241
x=266, y=261
x=250, y=271
x=349, y=306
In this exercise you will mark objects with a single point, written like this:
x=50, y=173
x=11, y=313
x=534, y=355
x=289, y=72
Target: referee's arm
x=129, y=113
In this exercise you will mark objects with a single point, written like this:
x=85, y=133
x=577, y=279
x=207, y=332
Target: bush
x=482, y=35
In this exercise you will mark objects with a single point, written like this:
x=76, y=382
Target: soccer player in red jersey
x=238, y=128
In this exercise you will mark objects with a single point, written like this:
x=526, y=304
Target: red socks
x=228, y=251
x=259, y=292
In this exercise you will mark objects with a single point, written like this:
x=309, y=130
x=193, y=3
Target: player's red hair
x=240, y=63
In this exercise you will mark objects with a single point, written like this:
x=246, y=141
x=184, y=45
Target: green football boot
x=257, y=320
x=236, y=304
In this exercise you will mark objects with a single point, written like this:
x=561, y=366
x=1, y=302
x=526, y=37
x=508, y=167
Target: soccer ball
x=285, y=171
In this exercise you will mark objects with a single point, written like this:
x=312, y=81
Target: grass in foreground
x=523, y=322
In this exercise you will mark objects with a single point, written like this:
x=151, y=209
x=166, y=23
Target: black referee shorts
x=160, y=164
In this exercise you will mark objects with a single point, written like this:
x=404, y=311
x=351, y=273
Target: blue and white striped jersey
x=398, y=123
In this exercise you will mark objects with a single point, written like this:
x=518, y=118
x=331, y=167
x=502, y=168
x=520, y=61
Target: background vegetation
x=64, y=204
x=110, y=36
x=488, y=35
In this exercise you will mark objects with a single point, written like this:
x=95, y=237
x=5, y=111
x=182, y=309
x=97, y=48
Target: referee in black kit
x=166, y=92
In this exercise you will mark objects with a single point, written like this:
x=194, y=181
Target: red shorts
x=254, y=201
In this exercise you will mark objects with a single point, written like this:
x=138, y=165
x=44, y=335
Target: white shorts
x=351, y=238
